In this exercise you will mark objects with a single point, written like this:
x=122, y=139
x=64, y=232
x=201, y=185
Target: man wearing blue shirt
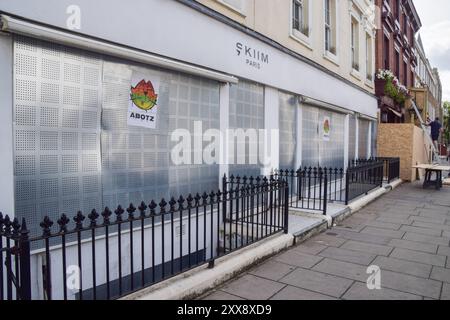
x=436, y=128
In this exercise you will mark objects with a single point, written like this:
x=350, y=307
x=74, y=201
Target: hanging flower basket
x=392, y=87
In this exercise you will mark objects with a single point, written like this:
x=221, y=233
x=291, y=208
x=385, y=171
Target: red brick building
x=395, y=52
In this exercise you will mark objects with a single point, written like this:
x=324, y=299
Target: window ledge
x=355, y=74
x=230, y=7
x=331, y=57
x=302, y=40
x=369, y=83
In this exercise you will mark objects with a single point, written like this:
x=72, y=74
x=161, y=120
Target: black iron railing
x=308, y=188
x=391, y=169
x=111, y=254
x=363, y=177
x=106, y=255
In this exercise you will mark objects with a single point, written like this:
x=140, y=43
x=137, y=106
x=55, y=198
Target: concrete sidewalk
x=406, y=233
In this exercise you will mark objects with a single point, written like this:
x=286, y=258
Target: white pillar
x=356, y=138
x=6, y=126
x=224, y=125
x=271, y=125
x=346, y=140
x=369, y=140
x=299, y=151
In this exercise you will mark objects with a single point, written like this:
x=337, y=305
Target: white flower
x=385, y=74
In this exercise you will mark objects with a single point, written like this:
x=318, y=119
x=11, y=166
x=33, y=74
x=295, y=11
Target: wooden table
x=429, y=170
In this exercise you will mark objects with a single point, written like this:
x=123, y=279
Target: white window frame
x=369, y=62
x=355, y=46
x=296, y=34
x=333, y=57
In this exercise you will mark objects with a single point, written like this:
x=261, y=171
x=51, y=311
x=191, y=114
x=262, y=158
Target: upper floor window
x=397, y=64
x=369, y=59
x=386, y=53
x=330, y=26
x=405, y=73
x=300, y=17
x=355, y=44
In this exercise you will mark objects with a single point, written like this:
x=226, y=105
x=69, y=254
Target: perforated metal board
x=288, y=130
x=246, y=112
x=57, y=108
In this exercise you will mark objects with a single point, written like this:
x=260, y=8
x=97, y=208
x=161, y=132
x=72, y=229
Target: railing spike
x=119, y=211
x=172, y=204
x=162, y=206
x=131, y=210
x=212, y=196
x=142, y=207
x=46, y=225
x=189, y=200
x=23, y=229
x=152, y=206
x=63, y=221
x=181, y=202
x=7, y=224
x=16, y=228
x=93, y=216
x=79, y=218
x=106, y=214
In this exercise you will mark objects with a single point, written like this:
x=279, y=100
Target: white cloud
x=435, y=38
x=445, y=79
x=435, y=33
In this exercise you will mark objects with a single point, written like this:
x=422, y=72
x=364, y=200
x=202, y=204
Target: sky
x=435, y=33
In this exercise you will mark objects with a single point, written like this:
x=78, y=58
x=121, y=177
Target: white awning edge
x=362, y=116
x=325, y=105
x=22, y=27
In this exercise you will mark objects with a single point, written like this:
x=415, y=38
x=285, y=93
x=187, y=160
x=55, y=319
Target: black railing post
x=224, y=203
x=380, y=173
x=1, y=258
x=325, y=194
x=347, y=186
x=25, y=263
x=286, y=207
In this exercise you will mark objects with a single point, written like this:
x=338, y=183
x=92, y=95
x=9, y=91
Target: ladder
x=422, y=124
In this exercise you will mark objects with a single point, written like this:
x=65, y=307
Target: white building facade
x=67, y=70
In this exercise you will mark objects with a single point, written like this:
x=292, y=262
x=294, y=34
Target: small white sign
x=143, y=106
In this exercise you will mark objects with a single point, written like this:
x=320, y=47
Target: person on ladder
x=436, y=129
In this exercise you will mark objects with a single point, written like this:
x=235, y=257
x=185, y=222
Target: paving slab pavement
x=406, y=233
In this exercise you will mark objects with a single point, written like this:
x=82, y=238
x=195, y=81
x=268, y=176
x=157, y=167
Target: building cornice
x=412, y=12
